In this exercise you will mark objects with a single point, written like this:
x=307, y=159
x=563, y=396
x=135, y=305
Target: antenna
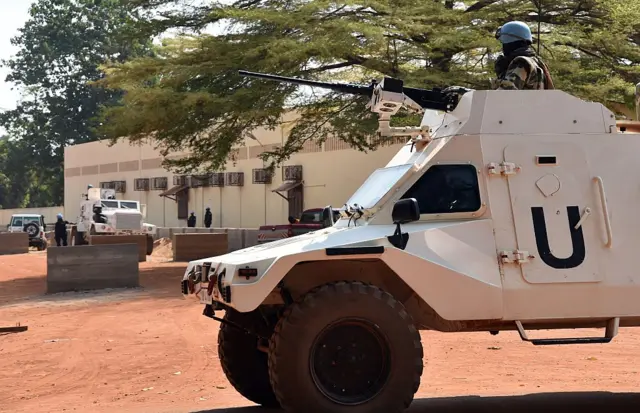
x=539, y=2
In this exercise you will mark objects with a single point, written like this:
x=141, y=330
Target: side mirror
x=327, y=216
x=405, y=211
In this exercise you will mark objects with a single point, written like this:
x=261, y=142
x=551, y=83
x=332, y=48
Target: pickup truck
x=310, y=220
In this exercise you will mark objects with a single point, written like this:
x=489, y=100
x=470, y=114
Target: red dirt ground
x=150, y=350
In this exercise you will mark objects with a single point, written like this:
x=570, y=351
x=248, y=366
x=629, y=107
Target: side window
x=17, y=222
x=447, y=189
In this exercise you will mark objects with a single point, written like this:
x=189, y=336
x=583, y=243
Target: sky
x=13, y=16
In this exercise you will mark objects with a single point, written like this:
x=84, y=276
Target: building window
x=261, y=176
x=235, y=178
x=447, y=189
x=292, y=173
x=180, y=180
x=119, y=186
x=141, y=184
x=216, y=179
x=159, y=184
x=198, y=181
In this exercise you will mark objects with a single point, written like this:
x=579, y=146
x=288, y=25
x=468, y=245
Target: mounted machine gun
x=387, y=97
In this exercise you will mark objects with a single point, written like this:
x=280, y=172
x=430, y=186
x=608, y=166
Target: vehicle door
x=558, y=227
x=16, y=224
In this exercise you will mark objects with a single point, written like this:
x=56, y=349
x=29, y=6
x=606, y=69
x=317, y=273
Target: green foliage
x=61, y=48
x=189, y=95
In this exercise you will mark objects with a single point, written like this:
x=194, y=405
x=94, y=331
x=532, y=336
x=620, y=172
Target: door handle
x=605, y=211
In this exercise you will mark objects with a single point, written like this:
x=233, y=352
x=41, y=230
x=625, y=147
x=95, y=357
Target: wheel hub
x=350, y=361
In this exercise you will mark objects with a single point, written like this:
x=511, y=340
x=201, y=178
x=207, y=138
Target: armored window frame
x=438, y=195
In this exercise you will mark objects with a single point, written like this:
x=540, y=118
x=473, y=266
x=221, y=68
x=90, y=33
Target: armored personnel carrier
x=505, y=210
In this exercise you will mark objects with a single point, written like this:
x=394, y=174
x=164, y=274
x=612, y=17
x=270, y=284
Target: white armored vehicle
x=505, y=210
x=102, y=214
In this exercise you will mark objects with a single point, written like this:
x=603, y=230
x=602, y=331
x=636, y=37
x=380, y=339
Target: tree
x=15, y=177
x=62, y=46
x=190, y=96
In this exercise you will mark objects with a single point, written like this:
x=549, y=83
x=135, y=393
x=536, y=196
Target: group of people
x=208, y=219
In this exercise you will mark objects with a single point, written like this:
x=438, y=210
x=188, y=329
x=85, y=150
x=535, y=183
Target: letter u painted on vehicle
x=542, y=239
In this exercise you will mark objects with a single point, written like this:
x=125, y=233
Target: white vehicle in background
x=118, y=217
x=33, y=225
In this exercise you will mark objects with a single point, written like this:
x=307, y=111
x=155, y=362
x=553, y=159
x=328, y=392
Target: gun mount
x=387, y=97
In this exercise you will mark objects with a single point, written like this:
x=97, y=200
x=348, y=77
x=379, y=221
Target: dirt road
x=149, y=350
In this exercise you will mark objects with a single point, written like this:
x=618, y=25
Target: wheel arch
x=307, y=275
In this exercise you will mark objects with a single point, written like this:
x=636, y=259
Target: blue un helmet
x=514, y=32
x=59, y=216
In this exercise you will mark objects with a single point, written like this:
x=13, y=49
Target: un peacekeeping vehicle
x=119, y=217
x=505, y=210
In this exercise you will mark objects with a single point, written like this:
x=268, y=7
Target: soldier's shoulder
x=523, y=61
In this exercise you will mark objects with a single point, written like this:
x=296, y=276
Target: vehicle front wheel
x=245, y=366
x=346, y=347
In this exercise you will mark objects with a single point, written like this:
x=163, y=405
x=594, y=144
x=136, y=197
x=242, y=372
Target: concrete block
x=204, y=230
x=235, y=239
x=92, y=267
x=14, y=243
x=140, y=240
x=250, y=238
x=189, y=230
x=189, y=247
x=176, y=230
x=163, y=233
x=220, y=230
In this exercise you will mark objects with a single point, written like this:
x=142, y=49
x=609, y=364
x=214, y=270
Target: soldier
x=208, y=218
x=519, y=67
x=60, y=232
x=191, y=222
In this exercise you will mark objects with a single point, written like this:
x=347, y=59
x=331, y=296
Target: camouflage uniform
x=523, y=73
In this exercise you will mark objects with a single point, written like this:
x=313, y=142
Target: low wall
x=238, y=238
x=189, y=247
x=48, y=212
x=92, y=267
x=14, y=243
x=140, y=240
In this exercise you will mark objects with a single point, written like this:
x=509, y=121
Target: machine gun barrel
x=433, y=99
x=338, y=87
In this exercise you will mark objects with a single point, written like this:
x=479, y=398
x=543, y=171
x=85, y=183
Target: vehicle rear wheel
x=32, y=229
x=245, y=366
x=346, y=347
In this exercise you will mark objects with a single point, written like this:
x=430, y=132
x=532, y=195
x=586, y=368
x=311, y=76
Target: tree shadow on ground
x=532, y=403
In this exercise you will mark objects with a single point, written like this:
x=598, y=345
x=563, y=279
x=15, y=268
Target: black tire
x=149, y=245
x=32, y=229
x=385, y=343
x=245, y=366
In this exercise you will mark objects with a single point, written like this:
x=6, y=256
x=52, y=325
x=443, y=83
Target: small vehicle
x=505, y=210
x=310, y=220
x=117, y=217
x=33, y=225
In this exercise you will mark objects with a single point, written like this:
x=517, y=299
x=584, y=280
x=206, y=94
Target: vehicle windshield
x=377, y=185
x=109, y=204
x=22, y=221
x=128, y=205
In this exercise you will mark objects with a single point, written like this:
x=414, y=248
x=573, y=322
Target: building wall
x=49, y=213
x=331, y=173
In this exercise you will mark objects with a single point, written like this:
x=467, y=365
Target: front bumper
x=209, y=282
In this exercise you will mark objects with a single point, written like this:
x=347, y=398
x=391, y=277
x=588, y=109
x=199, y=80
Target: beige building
x=241, y=196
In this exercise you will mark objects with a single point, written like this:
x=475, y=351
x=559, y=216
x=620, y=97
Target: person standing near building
x=191, y=222
x=60, y=232
x=208, y=218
